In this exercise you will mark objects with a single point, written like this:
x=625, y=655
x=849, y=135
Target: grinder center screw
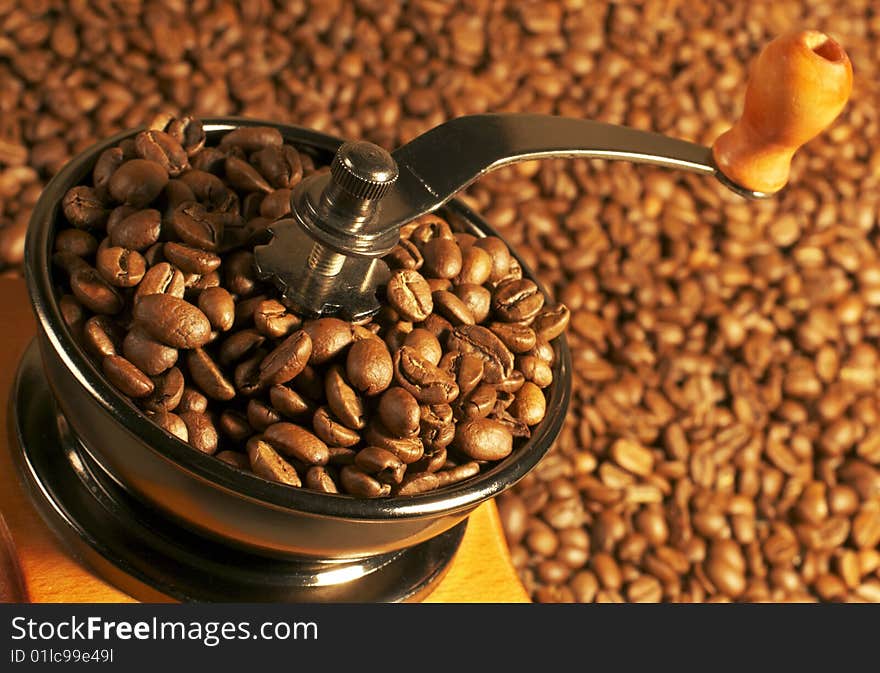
x=325, y=260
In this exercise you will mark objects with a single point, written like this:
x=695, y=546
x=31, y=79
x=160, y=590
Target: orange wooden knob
x=798, y=85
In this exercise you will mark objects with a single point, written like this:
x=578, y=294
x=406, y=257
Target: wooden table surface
x=481, y=571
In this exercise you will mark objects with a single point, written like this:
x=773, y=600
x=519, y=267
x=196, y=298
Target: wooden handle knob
x=798, y=85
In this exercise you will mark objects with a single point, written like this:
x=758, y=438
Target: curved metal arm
x=441, y=162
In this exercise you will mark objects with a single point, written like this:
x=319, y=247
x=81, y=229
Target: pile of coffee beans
x=671, y=281
x=162, y=290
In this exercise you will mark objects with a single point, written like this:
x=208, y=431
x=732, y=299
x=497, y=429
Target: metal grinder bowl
x=210, y=497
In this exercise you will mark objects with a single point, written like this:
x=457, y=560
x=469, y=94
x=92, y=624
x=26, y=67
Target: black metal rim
x=180, y=455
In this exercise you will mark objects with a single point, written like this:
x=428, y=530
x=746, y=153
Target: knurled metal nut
x=364, y=170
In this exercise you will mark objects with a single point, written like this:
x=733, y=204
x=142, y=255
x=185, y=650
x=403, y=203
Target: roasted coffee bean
x=425, y=344
x=452, y=308
x=331, y=431
x=405, y=255
x=240, y=345
x=201, y=431
x=175, y=193
x=76, y=242
x=399, y=412
x=438, y=284
x=280, y=165
x=251, y=139
x=272, y=319
x=517, y=337
x=69, y=262
x=192, y=400
x=118, y=214
x=137, y=182
x=408, y=449
x=543, y=350
x=420, y=482
x=457, y=474
x=172, y=321
x=439, y=326
x=84, y=209
x=550, y=323
x=189, y=259
x=137, y=231
x=219, y=307
x=410, y=295
x=241, y=175
x=266, y=463
x=239, y=275
x=147, y=354
x=93, y=292
x=297, y=442
x=208, y=376
x=479, y=403
x=163, y=149
x=529, y=404
x=287, y=360
x=310, y=384
x=382, y=465
x=513, y=515
x=246, y=376
x=476, y=298
x=125, y=376
x=289, y=402
x=497, y=358
x=442, y=258
x=343, y=400
x=368, y=366
x=209, y=160
x=483, y=439
x=196, y=226
x=211, y=192
x=170, y=422
x=260, y=415
x=276, y=205
x=467, y=368
x=437, y=426
x=535, y=370
x=476, y=267
x=120, y=267
x=430, y=226
x=396, y=334
x=432, y=460
x=357, y=482
x=329, y=337
x=517, y=428
x=516, y=300
x=499, y=254
x=105, y=166
x=189, y=132
x=161, y=279
x=426, y=382
x=234, y=425
x=250, y=205
x=319, y=479
x=340, y=455
x=168, y=392
x=235, y=459
x=102, y=336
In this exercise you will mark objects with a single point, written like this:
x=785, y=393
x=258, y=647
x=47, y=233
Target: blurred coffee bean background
x=723, y=441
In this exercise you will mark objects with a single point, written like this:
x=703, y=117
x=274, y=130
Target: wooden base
x=481, y=572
